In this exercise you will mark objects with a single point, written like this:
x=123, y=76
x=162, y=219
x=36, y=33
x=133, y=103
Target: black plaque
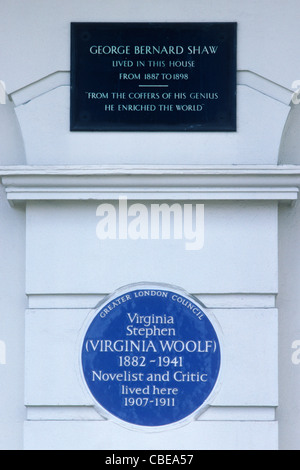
x=153, y=76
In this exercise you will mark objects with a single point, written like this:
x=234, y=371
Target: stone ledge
x=183, y=183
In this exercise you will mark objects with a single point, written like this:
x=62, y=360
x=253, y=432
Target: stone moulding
x=205, y=183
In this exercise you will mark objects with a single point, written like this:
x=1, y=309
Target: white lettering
x=159, y=222
x=192, y=50
x=107, y=227
x=2, y=92
x=110, y=50
x=296, y=354
x=168, y=50
x=295, y=97
x=196, y=236
x=2, y=353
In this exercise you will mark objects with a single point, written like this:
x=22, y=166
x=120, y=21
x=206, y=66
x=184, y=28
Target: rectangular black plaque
x=153, y=76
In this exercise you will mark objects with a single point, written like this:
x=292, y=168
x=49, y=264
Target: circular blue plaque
x=150, y=355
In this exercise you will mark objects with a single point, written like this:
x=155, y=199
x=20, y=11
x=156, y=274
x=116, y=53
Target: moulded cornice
x=41, y=183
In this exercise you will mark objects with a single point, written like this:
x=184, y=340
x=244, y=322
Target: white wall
x=12, y=305
x=12, y=290
x=289, y=298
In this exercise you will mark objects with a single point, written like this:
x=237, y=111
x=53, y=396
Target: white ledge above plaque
x=184, y=183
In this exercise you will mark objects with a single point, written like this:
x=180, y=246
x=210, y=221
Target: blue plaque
x=150, y=355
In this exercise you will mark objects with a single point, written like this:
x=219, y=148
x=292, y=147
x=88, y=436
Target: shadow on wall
x=289, y=152
x=12, y=150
